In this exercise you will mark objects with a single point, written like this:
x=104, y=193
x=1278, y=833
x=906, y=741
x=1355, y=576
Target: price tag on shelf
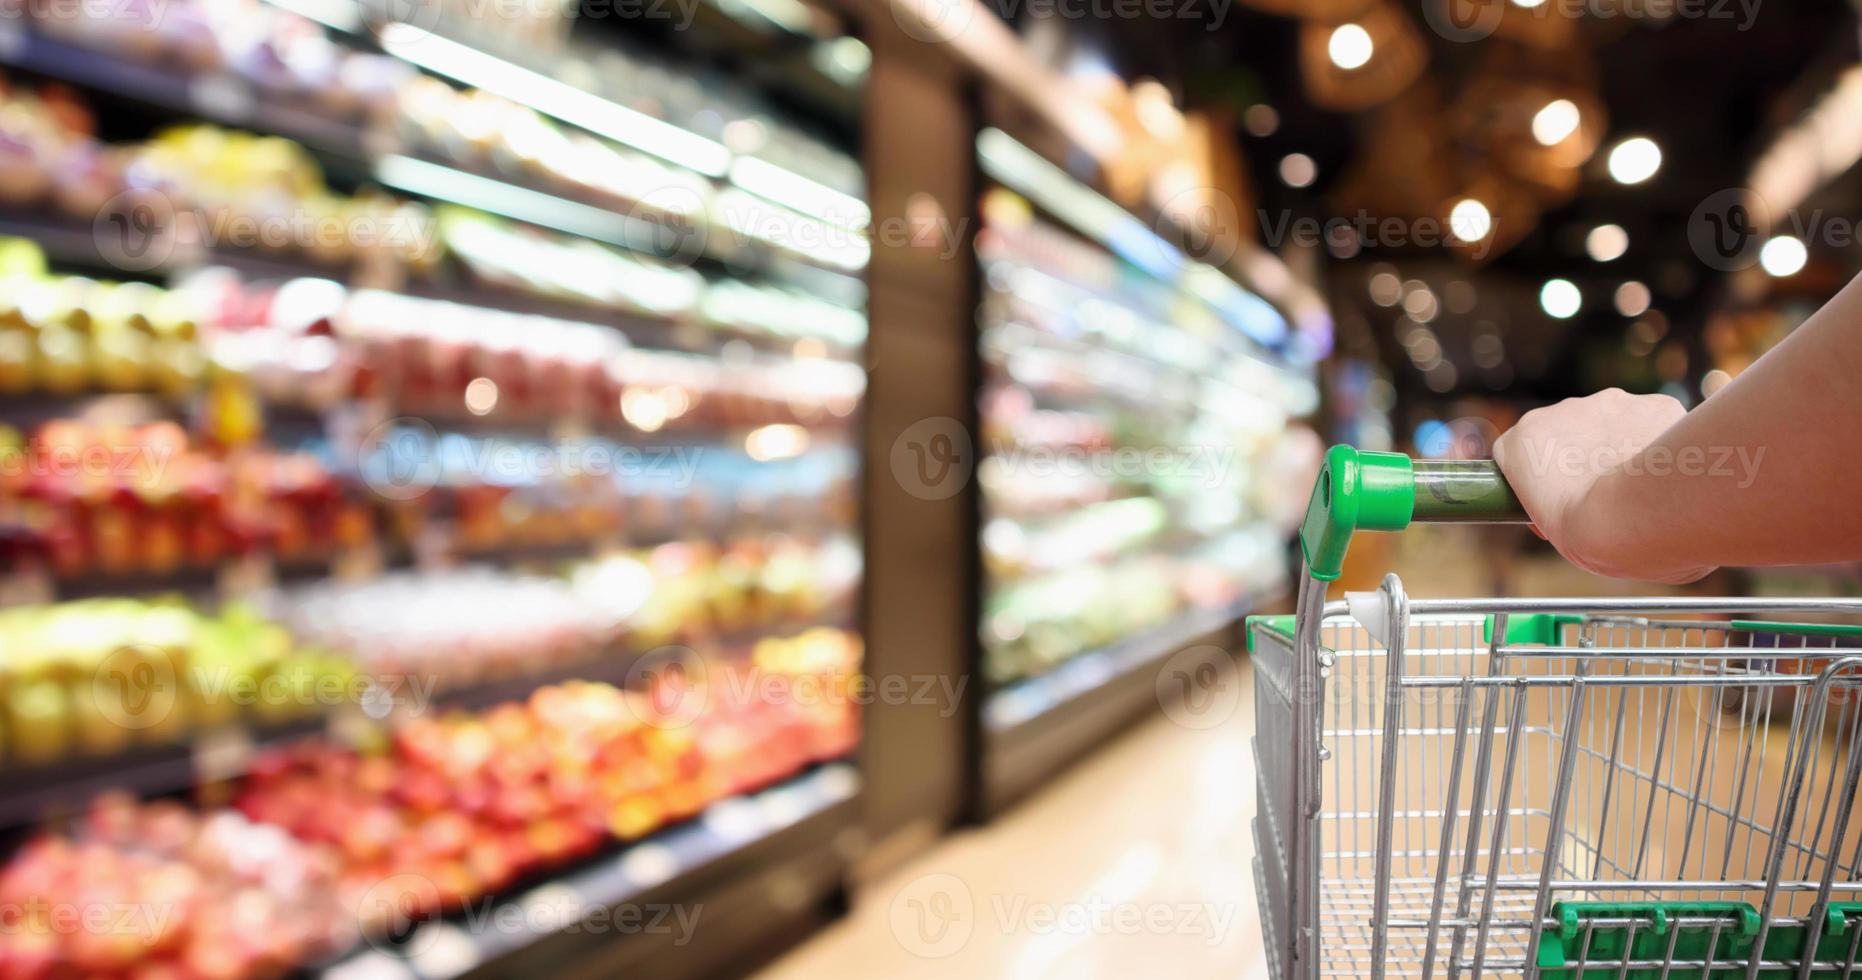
x=372, y=965
x=30, y=587
x=553, y=907
x=433, y=546
x=361, y=563
x=13, y=38
x=222, y=753
x=647, y=865
x=441, y=949
x=246, y=575
x=222, y=97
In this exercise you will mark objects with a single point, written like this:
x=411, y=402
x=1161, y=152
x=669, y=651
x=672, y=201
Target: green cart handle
x=1365, y=491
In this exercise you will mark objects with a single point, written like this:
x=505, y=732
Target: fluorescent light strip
x=1063, y=194
x=798, y=193
x=565, y=102
x=337, y=15
x=1027, y=172
x=519, y=203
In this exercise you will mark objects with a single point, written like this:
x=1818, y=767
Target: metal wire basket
x=1575, y=789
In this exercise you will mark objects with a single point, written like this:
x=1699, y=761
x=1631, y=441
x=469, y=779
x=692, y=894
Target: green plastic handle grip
x=1366, y=491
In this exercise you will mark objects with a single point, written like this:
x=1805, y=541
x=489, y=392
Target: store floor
x=1137, y=862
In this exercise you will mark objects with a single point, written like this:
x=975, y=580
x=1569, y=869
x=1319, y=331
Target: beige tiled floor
x=1135, y=863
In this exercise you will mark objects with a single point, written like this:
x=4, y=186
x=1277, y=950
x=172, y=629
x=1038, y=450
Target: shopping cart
x=1574, y=789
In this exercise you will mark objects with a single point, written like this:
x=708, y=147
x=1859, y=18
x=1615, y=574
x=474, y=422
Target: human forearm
x=1762, y=473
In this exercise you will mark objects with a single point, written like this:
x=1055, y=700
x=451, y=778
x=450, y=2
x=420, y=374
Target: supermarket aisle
x=1136, y=863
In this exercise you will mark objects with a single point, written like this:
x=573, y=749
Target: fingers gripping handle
x=1365, y=491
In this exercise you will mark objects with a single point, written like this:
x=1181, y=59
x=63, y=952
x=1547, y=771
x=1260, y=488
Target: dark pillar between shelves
x=921, y=513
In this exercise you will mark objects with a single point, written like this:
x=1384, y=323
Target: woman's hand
x=1574, y=466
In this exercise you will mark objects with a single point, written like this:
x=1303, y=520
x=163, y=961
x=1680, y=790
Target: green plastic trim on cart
x=1281, y=623
x=1784, y=944
x=1356, y=491
x=1561, y=949
x=1796, y=629
x=1648, y=940
x=1541, y=629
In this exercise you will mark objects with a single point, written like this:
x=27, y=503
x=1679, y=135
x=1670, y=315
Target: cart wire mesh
x=1583, y=789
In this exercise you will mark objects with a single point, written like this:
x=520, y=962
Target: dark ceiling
x=1709, y=92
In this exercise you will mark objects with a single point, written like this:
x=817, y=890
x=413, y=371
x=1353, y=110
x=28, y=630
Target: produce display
x=95, y=677
x=66, y=335
x=343, y=400
x=160, y=890
x=325, y=845
x=1125, y=420
x=150, y=499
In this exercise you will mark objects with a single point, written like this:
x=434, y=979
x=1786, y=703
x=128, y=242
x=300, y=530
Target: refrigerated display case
x=426, y=433
x=1132, y=403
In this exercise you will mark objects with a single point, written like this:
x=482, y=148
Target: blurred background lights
x=1470, y=220
x=1635, y=160
x=1632, y=298
x=1386, y=289
x=1260, y=119
x=481, y=396
x=1556, y=121
x=1560, y=298
x=1298, y=170
x=1606, y=243
x=1783, y=256
x=1350, y=46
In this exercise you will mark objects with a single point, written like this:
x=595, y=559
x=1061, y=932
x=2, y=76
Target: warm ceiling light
x=1470, y=220
x=1560, y=298
x=1261, y=119
x=1783, y=256
x=779, y=441
x=1298, y=170
x=481, y=396
x=1386, y=289
x=1606, y=243
x=1556, y=121
x=1632, y=298
x=1635, y=160
x=1350, y=46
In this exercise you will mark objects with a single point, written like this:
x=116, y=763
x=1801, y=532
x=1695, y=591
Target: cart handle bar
x=1366, y=491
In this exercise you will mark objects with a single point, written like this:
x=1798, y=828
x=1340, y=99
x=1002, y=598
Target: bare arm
x=1768, y=471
